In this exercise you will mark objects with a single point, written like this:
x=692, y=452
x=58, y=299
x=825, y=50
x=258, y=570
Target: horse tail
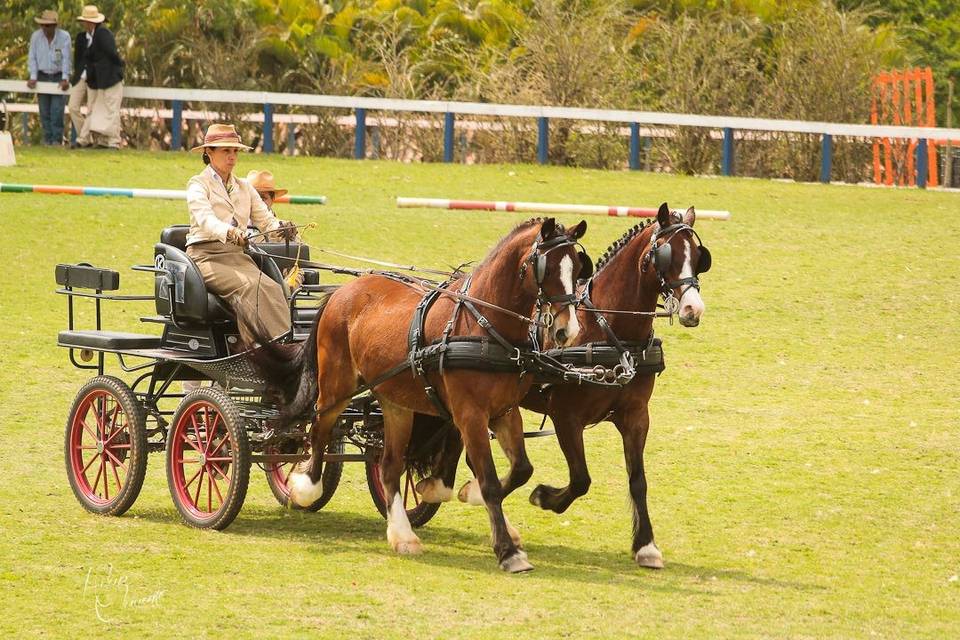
x=305, y=398
x=290, y=372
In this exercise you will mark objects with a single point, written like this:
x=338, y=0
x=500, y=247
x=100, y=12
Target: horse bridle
x=538, y=262
x=662, y=257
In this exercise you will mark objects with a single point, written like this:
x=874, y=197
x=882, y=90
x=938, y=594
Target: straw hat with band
x=263, y=181
x=47, y=17
x=90, y=13
x=221, y=136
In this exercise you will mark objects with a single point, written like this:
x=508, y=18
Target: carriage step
x=107, y=340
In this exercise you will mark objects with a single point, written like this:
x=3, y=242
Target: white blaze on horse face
x=691, y=304
x=566, y=277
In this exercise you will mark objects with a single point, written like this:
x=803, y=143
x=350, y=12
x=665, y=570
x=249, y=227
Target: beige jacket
x=213, y=210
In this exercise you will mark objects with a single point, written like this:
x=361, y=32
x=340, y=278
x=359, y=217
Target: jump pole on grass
x=156, y=194
x=547, y=207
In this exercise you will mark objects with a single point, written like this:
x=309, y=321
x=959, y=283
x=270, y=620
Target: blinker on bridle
x=662, y=258
x=538, y=260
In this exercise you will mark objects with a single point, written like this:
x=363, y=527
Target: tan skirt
x=258, y=301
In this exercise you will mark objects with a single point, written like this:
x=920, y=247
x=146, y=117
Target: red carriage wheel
x=278, y=475
x=208, y=459
x=105, y=446
x=419, y=513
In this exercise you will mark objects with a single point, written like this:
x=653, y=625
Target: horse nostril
x=561, y=336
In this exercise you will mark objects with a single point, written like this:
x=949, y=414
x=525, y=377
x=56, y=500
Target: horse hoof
x=536, y=496
x=649, y=556
x=434, y=491
x=517, y=563
x=470, y=493
x=409, y=548
x=303, y=492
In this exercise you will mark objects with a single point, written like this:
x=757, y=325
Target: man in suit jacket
x=104, y=79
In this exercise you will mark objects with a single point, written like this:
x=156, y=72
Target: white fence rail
x=728, y=125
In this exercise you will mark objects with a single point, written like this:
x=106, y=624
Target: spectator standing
x=104, y=82
x=79, y=90
x=49, y=61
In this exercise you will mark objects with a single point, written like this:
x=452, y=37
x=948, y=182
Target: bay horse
x=363, y=332
x=649, y=260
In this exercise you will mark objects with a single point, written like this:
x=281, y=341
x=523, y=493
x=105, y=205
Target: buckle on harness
x=516, y=355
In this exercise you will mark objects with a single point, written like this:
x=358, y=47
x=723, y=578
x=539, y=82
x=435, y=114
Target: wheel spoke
x=187, y=486
x=98, y=414
x=196, y=497
x=213, y=433
x=117, y=476
x=99, y=472
x=196, y=431
x=216, y=488
x=286, y=476
x=114, y=433
x=217, y=468
x=106, y=480
x=92, y=460
x=220, y=459
x=216, y=449
x=413, y=486
x=209, y=493
x=87, y=429
x=186, y=438
x=114, y=459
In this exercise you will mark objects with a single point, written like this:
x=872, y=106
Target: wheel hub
x=203, y=459
x=99, y=446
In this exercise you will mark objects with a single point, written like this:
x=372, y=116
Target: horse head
x=556, y=261
x=676, y=256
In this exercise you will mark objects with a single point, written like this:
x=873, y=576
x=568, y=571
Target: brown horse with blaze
x=362, y=333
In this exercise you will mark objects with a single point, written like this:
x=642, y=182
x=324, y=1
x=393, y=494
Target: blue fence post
x=360, y=136
x=268, y=128
x=922, y=166
x=176, y=126
x=826, y=158
x=543, y=140
x=726, y=161
x=634, y=146
x=448, y=122
x=291, y=138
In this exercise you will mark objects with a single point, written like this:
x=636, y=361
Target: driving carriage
x=211, y=435
x=216, y=432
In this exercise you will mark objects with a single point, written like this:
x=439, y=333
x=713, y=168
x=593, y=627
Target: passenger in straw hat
x=264, y=184
x=221, y=206
x=49, y=61
x=267, y=189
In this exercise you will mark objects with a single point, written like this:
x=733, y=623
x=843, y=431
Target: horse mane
x=523, y=226
x=619, y=244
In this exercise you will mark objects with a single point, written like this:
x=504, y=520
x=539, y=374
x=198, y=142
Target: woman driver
x=221, y=206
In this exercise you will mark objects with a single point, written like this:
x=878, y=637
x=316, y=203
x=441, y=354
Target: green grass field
x=802, y=462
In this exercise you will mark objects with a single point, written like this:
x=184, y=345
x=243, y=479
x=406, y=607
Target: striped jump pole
x=156, y=194
x=547, y=207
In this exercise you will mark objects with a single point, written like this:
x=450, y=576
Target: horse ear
x=548, y=228
x=577, y=232
x=663, y=216
x=690, y=217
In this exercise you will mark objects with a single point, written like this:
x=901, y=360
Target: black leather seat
x=191, y=301
x=107, y=340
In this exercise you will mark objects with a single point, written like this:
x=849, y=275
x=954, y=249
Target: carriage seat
x=107, y=340
x=192, y=302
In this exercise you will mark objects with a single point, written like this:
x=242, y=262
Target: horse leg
x=397, y=426
x=305, y=482
x=477, y=442
x=439, y=486
x=570, y=437
x=633, y=427
x=509, y=431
